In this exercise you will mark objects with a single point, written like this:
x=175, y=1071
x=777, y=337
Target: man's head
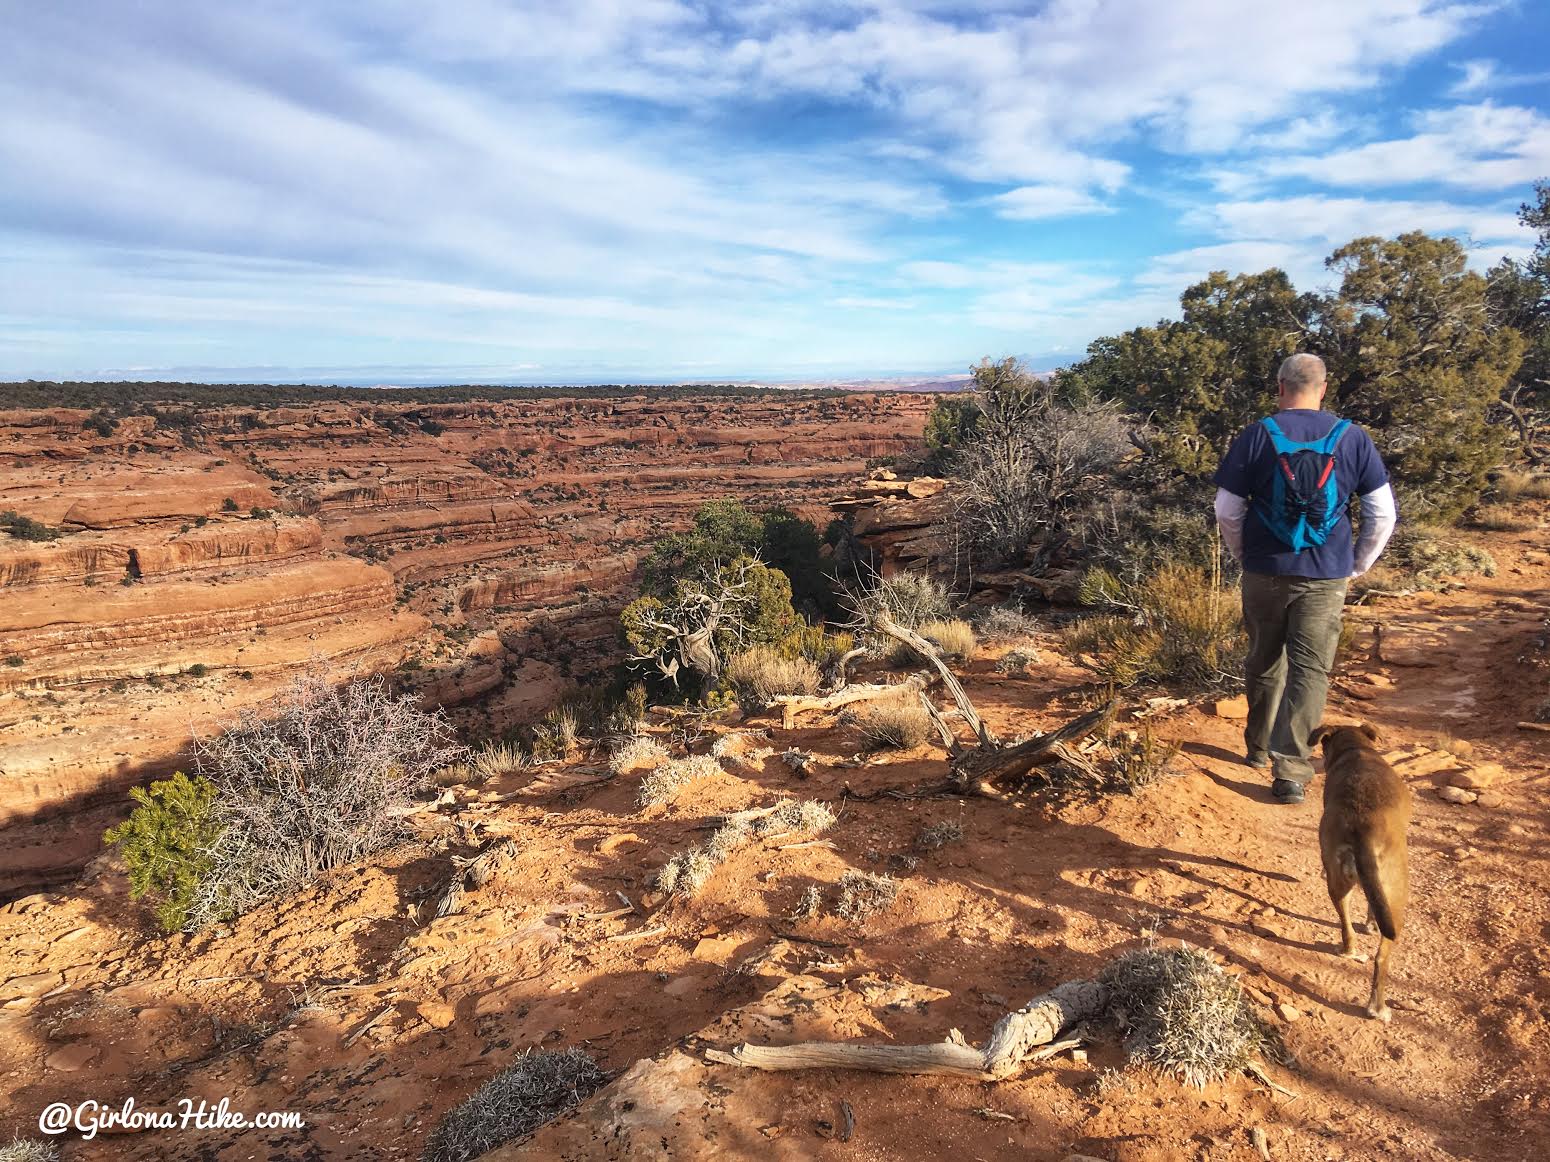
x=1300, y=381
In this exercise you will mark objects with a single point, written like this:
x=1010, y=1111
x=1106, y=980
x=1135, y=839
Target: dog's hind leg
x=1378, y=1004
x=1340, y=877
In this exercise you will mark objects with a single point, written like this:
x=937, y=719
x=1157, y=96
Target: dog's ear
x=1367, y=729
x=1320, y=733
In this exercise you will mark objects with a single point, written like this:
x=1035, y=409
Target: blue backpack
x=1304, y=501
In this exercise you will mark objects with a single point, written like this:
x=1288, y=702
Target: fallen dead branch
x=793, y=704
x=1014, y=1040
x=1543, y=726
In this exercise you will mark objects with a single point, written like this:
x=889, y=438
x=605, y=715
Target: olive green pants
x=1294, y=631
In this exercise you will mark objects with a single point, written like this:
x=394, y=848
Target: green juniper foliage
x=166, y=841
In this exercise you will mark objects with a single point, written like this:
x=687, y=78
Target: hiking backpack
x=1304, y=501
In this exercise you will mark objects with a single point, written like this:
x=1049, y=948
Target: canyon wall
x=480, y=552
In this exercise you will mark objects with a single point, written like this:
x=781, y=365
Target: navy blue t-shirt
x=1249, y=468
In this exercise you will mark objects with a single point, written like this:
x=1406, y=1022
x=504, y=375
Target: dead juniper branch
x=474, y=873
x=1016, y=1037
x=793, y=704
x=1182, y=1014
x=536, y=1090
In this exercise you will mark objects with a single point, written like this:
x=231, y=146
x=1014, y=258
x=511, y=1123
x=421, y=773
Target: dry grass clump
x=1502, y=518
x=1138, y=760
x=514, y=1103
x=865, y=894
x=953, y=638
x=808, y=904
x=894, y=724
x=1182, y=1014
x=1515, y=485
x=935, y=836
x=1179, y=626
x=685, y=874
x=495, y=760
x=639, y=750
x=665, y=781
x=763, y=673
x=1001, y=624
x=28, y=1150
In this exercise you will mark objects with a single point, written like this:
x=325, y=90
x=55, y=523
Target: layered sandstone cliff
x=480, y=552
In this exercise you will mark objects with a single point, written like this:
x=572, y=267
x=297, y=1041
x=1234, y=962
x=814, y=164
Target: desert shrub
x=1016, y=663
x=515, y=1102
x=228, y=505
x=865, y=894
x=1182, y=1014
x=685, y=874
x=1178, y=626
x=326, y=780
x=1136, y=760
x=28, y=1150
x=762, y=673
x=664, y=782
x=555, y=735
x=935, y=836
x=166, y=843
x=909, y=598
x=808, y=904
x=15, y=660
x=24, y=528
x=1033, y=468
x=1422, y=558
x=892, y=724
x=637, y=751
x=1005, y=623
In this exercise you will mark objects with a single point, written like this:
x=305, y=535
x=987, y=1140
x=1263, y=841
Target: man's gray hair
x=1301, y=373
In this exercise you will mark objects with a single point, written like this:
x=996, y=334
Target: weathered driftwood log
x=1016, y=1037
x=793, y=704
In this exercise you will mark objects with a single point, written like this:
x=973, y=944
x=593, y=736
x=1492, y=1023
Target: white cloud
x=1029, y=203
x=1473, y=147
x=1324, y=219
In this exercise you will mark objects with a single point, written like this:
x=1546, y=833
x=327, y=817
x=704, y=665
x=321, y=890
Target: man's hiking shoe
x=1258, y=759
x=1286, y=791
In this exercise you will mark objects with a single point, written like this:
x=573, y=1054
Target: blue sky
x=539, y=191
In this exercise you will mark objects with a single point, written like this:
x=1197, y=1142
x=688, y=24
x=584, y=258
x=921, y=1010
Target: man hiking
x=1282, y=494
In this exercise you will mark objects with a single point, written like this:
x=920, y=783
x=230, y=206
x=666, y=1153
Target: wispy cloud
x=658, y=182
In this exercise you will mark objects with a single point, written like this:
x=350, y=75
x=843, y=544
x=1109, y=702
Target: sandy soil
x=344, y=1005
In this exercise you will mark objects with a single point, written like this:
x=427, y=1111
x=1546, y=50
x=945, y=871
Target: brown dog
x=1362, y=840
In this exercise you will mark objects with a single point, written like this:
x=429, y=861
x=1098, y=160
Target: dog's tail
x=1371, y=878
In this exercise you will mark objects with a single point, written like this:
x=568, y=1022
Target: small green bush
x=228, y=505
x=24, y=528
x=167, y=841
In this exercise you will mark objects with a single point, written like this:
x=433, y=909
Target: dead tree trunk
x=1016, y=1038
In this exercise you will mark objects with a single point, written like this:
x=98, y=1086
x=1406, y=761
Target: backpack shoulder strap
x=1333, y=439
x=1277, y=437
